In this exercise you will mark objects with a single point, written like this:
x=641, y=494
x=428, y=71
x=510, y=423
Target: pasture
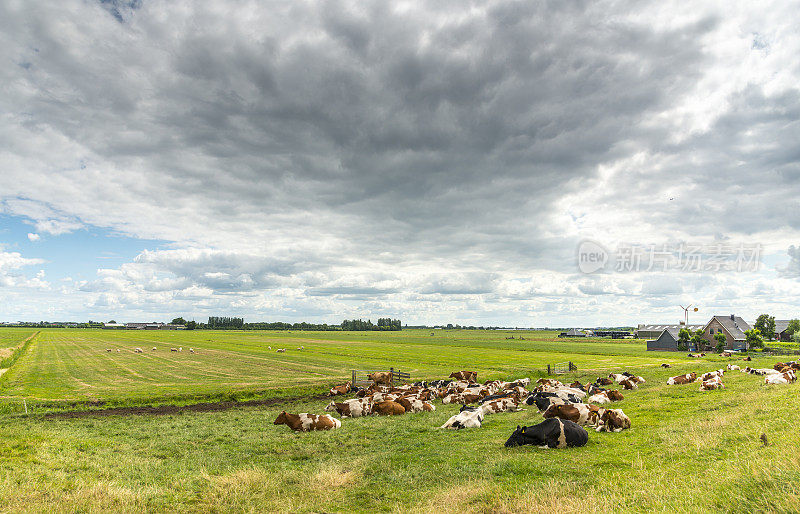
x=687, y=450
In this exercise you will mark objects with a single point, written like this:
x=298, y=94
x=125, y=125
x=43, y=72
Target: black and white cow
x=551, y=433
x=543, y=400
x=468, y=417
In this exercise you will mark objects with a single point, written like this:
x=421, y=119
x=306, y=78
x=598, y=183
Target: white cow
x=470, y=418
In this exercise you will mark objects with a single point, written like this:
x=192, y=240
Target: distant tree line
x=223, y=322
x=384, y=324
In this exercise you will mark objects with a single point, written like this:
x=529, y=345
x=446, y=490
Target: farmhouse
x=733, y=327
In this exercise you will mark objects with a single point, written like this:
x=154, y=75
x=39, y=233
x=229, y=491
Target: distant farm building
x=154, y=326
x=573, y=332
x=654, y=331
x=781, y=333
x=113, y=326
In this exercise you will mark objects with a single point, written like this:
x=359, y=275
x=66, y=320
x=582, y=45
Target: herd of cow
x=781, y=373
x=561, y=405
x=567, y=409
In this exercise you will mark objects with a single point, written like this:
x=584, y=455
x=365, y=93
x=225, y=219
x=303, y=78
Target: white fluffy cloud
x=323, y=159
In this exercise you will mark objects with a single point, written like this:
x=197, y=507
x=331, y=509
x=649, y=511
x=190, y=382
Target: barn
x=667, y=341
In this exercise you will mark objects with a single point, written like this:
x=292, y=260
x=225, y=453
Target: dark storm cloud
x=307, y=144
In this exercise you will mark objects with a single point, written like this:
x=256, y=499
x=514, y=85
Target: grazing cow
x=340, y=389
x=601, y=397
x=579, y=413
x=415, y=405
x=180, y=349
x=118, y=350
x=280, y=350
x=733, y=367
x=269, y=348
x=351, y=408
x=682, y=379
x=665, y=365
x=305, y=422
x=108, y=350
x=388, y=408
x=615, y=395
x=604, y=381
x=613, y=420
x=550, y=433
x=173, y=349
x=381, y=377
x=710, y=385
x=469, y=417
x=628, y=384
x=502, y=405
x=469, y=376
x=191, y=350
x=782, y=378
x=138, y=350
x=154, y=348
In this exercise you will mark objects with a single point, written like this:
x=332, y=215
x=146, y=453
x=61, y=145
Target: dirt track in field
x=161, y=410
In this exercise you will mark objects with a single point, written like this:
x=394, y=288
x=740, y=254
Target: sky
x=510, y=163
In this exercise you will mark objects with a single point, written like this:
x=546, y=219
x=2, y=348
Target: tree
x=191, y=325
x=753, y=338
x=796, y=337
x=178, y=321
x=765, y=324
x=112, y=321
x=793, y=328
x=721, y=341
x=699, y=341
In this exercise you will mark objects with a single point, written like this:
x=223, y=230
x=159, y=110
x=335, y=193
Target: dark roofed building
x=733, y=327
x=780, y=330
x=654, y=331
x=667, y=341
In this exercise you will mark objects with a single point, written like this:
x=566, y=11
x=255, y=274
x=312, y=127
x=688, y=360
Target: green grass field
x=687, y=451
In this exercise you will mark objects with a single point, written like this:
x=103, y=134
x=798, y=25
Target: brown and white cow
x=381, y=377
x=305, y=422
x=579, y=413
x=613, y=420
x=463, y=398
x=469, y=376
x=733, y=367
x=712, y=374
x=340, y=389
x=603, y=381
x=682, y=379
x=388, y=408
x=351, y=408
x=665, y=365
x=628, y=385
x=501, y=405
x=615, y=395
x=601, y=397
x=780, y=378
x=411, y=404
x=710, y=385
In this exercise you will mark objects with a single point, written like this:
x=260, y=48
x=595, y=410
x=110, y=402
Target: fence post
x=391, y=374
x=548, y=369
x=353, y=381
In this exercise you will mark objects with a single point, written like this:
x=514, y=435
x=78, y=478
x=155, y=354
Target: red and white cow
x=305, y=422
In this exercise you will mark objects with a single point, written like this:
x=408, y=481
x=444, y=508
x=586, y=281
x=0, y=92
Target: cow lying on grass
x=351, y=408
x=682, y=379
x=500, y=405
x=711, y=384
x=388, y=408
x=469, y=376
x=780, y=378
x=469, y=417
x=411, y=404
x=613, y=420
x=305, y=422
x=579, y=413
x=340, y=389
x=550, y=433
